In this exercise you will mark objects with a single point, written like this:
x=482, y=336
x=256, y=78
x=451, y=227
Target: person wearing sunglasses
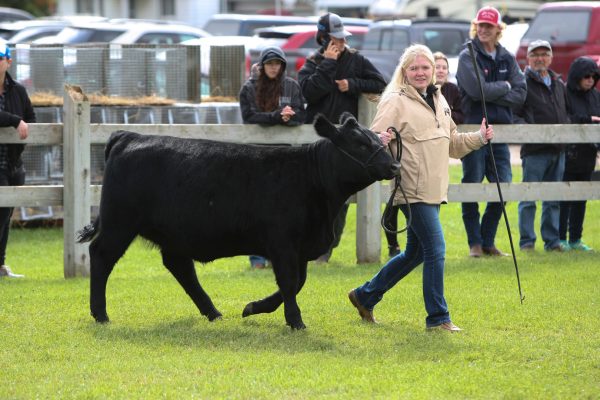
x=16, y=111
x=580, y=157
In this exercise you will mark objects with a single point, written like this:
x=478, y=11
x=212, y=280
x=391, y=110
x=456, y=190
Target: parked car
x=245, y=25
x=298, y=42
x=386, y=40
x=8, y=14
x=572, y=28
x=28, y=31
x=511, y=37
x=126, y=31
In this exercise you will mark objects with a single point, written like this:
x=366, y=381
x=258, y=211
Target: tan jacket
x=428, y=140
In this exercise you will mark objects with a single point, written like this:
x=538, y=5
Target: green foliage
x=158, y=346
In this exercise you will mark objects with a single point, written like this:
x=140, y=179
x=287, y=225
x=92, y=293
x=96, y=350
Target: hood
x=273, y=53
x=581, y=67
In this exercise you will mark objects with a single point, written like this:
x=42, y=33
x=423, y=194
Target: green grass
x=158, y=346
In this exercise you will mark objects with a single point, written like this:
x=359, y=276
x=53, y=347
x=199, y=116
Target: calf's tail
x=88, y=232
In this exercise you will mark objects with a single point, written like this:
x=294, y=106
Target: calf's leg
x=288, y=281
x=105, y=251
x=183, y=270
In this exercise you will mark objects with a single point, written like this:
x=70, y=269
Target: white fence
x=77, y=195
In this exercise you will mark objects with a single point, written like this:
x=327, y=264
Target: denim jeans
x=424, y=244
x=477, y=165
x=541, y=168
x=572, y=213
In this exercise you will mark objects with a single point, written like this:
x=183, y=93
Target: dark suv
x=386, y=40
x=572, y=28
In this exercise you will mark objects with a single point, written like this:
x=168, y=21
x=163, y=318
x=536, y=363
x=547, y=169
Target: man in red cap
x=504, y=88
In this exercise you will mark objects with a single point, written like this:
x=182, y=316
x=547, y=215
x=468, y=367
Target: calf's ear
x=347, y=118
x=324, y=128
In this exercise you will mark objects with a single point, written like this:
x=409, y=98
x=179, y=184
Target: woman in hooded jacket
x=269, y=97
x=580, y=163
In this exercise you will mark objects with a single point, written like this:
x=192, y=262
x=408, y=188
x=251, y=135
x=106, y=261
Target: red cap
x=488, y=15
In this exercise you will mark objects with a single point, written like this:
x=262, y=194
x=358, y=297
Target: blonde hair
x=398, y=81
x=473, y=31
x=438, y=55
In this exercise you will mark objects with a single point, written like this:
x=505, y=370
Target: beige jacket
x=428, y=140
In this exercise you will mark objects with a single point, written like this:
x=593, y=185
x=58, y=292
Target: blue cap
x=4, y=50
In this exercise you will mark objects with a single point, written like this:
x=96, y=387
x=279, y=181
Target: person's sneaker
x=560, y=248
x=565, y=244
x=579, y=245
x=528, y=247
x=475, y=251
x=446, y=326
x=5, y=271
x=493, y=251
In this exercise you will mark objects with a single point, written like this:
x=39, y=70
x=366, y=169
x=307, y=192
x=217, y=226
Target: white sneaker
x=5, y=271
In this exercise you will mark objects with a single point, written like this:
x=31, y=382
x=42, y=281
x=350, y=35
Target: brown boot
x=365, y=314
x=476, y=251
x=493, y=251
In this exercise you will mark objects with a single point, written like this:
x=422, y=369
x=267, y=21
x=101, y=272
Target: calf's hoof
x=215, y=316
x=247, y=310
x=101, y=318
x=297, y=326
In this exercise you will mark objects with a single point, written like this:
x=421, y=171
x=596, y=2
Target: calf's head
x=361, y=148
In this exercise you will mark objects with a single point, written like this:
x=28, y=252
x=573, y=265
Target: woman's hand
x=287, y=113
x=486, y=134
x=385, y=137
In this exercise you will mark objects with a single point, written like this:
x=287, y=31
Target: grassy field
x=158, y=346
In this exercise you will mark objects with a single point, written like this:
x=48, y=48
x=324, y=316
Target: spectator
x=15, y=111
x=332, y=80
x=546, y=103
x=269, y=97
x=413, y=105
x=580, y=162
x=449, y=90
x=504, y=88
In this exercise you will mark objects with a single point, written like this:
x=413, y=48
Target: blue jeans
x=424, y=244
x=477, y=165
x=541, y=168
x=257, y=260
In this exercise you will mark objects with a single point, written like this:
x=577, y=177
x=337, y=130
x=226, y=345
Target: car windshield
x=223, y=27
x=83, y=35
x=448, y=41
x=550, y=25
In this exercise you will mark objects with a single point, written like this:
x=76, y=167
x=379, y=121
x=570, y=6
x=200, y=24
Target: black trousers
x=7, y=178
x=572, y=213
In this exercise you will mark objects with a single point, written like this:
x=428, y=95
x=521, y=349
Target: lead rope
x=397, y=185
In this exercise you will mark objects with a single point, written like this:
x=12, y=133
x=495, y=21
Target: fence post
x=368, y=200
x=76, y=179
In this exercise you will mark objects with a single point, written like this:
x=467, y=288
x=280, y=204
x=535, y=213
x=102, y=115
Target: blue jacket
x=500, y=98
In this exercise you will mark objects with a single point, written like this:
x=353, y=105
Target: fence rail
x=77, y=195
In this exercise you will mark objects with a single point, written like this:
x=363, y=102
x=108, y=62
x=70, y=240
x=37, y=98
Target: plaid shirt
x=3, y=147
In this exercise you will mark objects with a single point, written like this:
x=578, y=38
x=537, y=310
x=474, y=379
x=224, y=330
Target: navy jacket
x=500, y=99
x=544, y=105
x=581, y=157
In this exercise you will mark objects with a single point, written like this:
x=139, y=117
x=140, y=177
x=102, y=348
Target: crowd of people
x=425, y=109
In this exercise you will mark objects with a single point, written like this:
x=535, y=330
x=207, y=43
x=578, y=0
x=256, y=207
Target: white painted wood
x=76, y=179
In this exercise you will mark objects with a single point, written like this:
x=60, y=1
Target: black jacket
x=317, y=79
x=582, y=157
x=452, y=95
x=543, y=105
x=500, y=99
x=17, y=107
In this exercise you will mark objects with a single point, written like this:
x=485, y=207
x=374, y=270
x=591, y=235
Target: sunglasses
x=587, y=77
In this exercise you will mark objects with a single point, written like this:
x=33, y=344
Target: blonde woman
x=413, y=105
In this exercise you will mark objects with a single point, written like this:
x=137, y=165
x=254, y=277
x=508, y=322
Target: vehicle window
x=355, y=41
x=563, y=26
x=157, y=38
x=394, y=39
x=223, y=27
x=371, y=41
x=103, y=36
x=448, y=41
x=29, y=35
x=248, y=27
